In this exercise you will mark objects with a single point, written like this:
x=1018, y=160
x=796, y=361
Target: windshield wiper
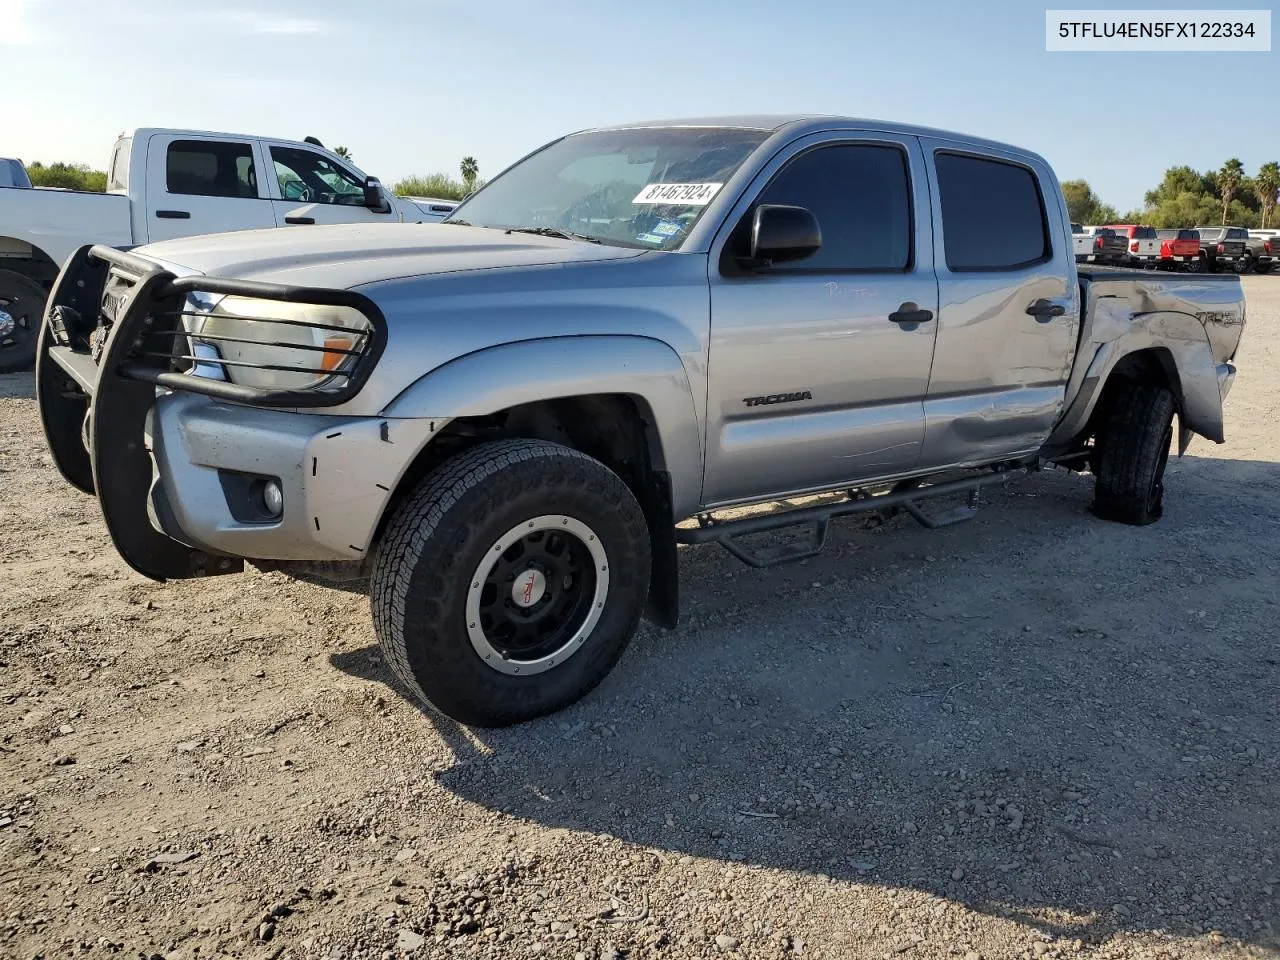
x=554, y=232
x=461, y=223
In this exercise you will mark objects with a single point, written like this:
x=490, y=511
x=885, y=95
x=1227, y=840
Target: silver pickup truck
x=510, y=420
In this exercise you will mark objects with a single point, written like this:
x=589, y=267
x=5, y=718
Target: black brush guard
x=112, y=334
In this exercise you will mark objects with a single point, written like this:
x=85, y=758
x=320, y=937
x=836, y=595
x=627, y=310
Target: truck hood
x=342, y=256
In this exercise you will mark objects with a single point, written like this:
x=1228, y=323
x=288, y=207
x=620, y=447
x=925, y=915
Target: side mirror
x=782, y=233
x=374, y=198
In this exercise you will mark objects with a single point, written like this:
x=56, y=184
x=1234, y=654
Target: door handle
x=1045, y=310
x=911, y=313
x=300, y=220
x=174, y=214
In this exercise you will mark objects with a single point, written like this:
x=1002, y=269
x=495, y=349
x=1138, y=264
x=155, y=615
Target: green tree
x=69, y=176
x=1177, y=181
x=1267, y=187
x=1084, y=206
x=1191, y=208
x=438, y=185
x=470, y=170
x=1229, y=178
x=343, y=152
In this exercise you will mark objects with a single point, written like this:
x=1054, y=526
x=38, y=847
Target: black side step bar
x=727, y=532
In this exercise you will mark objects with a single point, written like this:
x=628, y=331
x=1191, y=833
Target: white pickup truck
x=165, y=184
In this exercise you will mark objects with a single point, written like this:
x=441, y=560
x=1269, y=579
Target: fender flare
x=645, y=369
x=1181, y=344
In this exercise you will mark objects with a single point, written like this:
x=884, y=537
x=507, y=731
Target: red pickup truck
x=1179, y=248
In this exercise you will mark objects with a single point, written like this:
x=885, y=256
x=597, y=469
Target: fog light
x=273, y=498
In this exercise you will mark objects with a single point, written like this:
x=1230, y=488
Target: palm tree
x=470, y=170
x=1229, y=178
x=1267, y=184
x=343, y=152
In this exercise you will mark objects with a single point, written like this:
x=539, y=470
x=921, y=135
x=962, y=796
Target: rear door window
x=980, y=235
x=207, y=168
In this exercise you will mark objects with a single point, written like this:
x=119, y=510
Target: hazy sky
x=411, y=87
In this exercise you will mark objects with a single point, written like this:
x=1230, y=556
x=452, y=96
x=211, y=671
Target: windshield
x=643, y=187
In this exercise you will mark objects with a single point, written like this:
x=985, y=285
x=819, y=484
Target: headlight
x=271, y=344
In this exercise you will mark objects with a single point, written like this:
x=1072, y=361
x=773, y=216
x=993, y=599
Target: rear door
x=1008, y=306
x=309, y=187
x=812, y=381
x=203, y=184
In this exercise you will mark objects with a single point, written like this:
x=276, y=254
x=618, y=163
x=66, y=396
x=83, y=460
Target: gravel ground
x=1033, y=735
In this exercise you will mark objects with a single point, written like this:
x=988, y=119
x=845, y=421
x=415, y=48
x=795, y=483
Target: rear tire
x=509, y=583
x=1133, y=452
x=22, y=303
x=1245, y=264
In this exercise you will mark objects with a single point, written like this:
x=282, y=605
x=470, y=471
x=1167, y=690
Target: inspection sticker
x=667, y=228
x=680, y=194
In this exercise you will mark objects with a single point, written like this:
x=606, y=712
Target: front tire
x=1133, y=453
x=509, y=583
x=22, y=303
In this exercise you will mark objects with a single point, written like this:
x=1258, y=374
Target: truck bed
x=1094, y=271
x=57, y=222
x=1215, y=299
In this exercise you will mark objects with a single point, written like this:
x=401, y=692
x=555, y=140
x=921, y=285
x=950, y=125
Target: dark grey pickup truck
x=1262, y=249
x=1222, y=247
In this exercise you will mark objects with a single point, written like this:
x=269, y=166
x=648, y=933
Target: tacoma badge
x=777, y=398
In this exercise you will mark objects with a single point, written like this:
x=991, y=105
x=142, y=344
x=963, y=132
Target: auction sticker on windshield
x=684, y=194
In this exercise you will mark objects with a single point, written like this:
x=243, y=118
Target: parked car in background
x=433, y=210
x=13, y=173
x=1099, y=245
x=1143, y=246
x=1221, y=247
x=505, y=420
x=164, y=184
x=1261, y=250
x=1179, y=248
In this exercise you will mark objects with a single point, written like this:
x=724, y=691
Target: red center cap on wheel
x=528, y=588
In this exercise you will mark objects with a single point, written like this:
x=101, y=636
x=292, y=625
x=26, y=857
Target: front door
x=818, y=368
x=309, y=187
x=1009, y=308
x=198, y=185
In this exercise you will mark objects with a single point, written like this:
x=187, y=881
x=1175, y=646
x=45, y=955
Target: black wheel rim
x=537, y=594
x=559, y=565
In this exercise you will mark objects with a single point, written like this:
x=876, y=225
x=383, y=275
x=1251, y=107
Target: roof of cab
x=184, y=132
x=802, y=123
